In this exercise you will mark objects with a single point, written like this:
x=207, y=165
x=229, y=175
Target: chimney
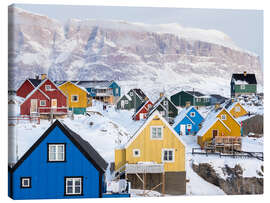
x=232, y=100
x=245, y=73
x=161, y=94
x=146, y=99
x=43, y=76
x=187, y=104
x=217, y=106
x=37, y=77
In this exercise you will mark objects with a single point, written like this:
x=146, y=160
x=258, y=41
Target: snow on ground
x=112, y=127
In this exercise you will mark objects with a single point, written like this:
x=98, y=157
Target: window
x=223, y=117
x=156, y=132
x=242, y=86
x=42, y=102
x=47, y=87
x=237, y=109
x=56, y=152
x=73, y=186
x=74, y=98
x=131, y=94
x=168, y=155
x=189, y=126
x=165, y=102
x=26, y=182
x=192, y=114
x=198, y=99
x=116, y=91
x=136, y=152
x=126, y=101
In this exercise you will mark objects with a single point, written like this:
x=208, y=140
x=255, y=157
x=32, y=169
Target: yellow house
x=78, y=99
x=237, y=110
x=154, y=147
x=219, y=122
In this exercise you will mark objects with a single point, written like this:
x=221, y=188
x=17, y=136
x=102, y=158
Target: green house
x=133, y=99
x=243, y=84
x=192, y=98
x=165, y=107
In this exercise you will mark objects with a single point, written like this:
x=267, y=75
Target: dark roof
x=228, y=104
x=195, y=93
x=86, y=149
x=218, y=97
x=35, y=82
x=140, y=93
x=249, y=78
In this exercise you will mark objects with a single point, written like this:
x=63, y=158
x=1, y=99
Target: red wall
x=143, y=110
x=25, y=89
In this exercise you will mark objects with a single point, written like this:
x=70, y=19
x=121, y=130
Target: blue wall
x=197, y=119
x=114, y=86
x=48, y=178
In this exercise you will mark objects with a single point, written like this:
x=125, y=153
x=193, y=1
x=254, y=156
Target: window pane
x=69, y=183
x=60, y=148
x=52, y=156
x=78, y=182
x=170, y=155
x=69, y=190
x=52, y=148
x=60, y=156
x=25, y=182
x=78, y=190
x=165, y=155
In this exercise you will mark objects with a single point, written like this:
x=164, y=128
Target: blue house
x=188, y=121
x=60, y=164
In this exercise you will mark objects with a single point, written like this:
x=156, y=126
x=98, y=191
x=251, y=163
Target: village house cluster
x=153, y=158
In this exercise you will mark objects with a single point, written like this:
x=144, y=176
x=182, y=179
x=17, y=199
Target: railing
x=51, y=110
x=24, y=118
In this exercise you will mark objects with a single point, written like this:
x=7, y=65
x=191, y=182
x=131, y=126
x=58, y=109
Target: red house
x=45, y=99
x=142, y=111
x=27, y=86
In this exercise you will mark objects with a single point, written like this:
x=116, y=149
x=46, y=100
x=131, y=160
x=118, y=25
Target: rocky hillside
x=135, y=54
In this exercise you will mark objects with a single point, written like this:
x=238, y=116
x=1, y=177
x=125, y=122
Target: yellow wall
x=120, y=158
x=242, y=111
x=70, y=89
x=222, y=130
x=151, y=150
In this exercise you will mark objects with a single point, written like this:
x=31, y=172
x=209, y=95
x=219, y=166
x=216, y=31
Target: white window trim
x=76, y=96
x=42, y=101
x=165, y=102
x=151, y=128
x=73, y=186
x=189, y=128
x=192, y=114
x=237, y=109
x=173, y=155
x=48, y=87
x=131, y=94
x=242, y=86
x=139, y=153
x=29, y=182
x=56, y=153
x=223, y=117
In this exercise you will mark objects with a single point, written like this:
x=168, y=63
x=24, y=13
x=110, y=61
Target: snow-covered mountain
x=152, y=57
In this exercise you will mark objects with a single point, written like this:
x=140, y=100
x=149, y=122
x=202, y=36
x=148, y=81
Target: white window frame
x=57, y=158
x=40, y=103
x=131, y=94
x=237, y=109
x=151, y=131
x=117, y=91
x=27, y=185
x=189, y=126
x=198, y=99
x=75, y=95
x=126, y=101
x=168, y=161
x=134, y=152
x=165, y=102
x=73, y=179
x=223, y=117
x=48, y=87
x=192, y=114
x=242, y=86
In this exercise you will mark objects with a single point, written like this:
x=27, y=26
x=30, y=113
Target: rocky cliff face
x=134, y=54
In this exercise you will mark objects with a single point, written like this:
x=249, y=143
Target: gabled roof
x=158, y=102
x=35, y=82
x=94, y=83
x=249, y=78
x=182, y=115
x=229, y=105
x=85, y=148
x=80, y=87
x=139, y=93
x=141, y=107
x=156, y=113
x=218, y=97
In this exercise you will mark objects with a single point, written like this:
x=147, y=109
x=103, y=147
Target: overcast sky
x=245, y=27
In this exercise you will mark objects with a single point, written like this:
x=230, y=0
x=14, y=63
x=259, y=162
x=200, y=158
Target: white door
x=141, y=116
x=33, y=108
x=54, y=104
x=122, y=104
x=182, y=129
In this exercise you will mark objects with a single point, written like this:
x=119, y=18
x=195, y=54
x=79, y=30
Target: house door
x=54, y=104
x=122, y=104
x=215, y=133
x=182, y=129
x=141, y=116
x=33, y=108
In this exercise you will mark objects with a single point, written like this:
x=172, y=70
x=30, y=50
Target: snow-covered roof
x=182, y=115
x=80, y=87
x=94, y=83
x=156, y=113
x=244, y=78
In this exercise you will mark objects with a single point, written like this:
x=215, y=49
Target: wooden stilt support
x=163, y=183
